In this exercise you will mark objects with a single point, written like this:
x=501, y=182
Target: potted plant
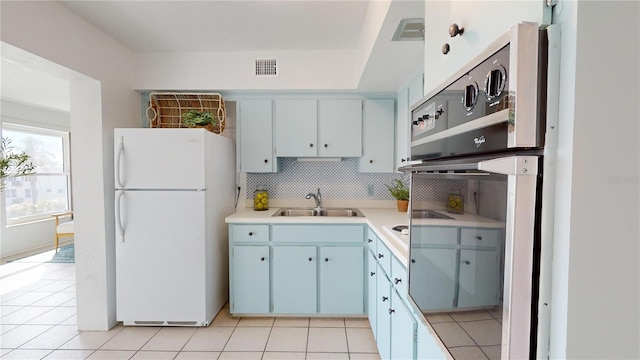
x=400, y=191
x=195, y=118
x=13, y=164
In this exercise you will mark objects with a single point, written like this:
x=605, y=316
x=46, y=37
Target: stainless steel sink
x=296, y=212
x=339, y=212
x=428, y=214
x=330, y=212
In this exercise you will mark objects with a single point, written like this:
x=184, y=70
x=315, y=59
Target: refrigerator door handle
x=120, y=229
x=118, y=157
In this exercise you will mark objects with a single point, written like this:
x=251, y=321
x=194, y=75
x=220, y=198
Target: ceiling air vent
x=409, y=30
x=266, y=68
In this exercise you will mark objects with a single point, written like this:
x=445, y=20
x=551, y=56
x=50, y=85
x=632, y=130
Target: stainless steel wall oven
x=481, y=193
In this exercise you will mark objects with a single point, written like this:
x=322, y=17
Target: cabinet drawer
x=432, y=235
x=372, y=240
x=245, y=233
x=479, y=237
x=399, y=276
x=318, y=233
x=384, y=257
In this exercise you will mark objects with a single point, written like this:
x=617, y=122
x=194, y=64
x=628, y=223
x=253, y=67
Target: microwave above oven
x=493, y=104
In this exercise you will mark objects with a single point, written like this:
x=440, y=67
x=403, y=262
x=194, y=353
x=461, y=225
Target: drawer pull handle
x=250, y=233
x=266, y=161
x=467, y=262
x=369, y=240
x=384, y=298
x=413, y=261
x=310, y=145
x=397, y=280
x=310, y=259
x=326, y=259
x=391, y=311
x=380, y=256
x=479, y=237
x=372, y=273
x=262, y=258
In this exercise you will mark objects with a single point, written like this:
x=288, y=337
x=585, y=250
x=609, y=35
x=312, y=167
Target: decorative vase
x=403, y=205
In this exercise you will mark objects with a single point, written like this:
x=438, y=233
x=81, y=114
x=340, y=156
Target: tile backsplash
x=336, y=180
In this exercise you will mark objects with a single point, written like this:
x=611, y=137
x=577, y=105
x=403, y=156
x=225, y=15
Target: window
x=30, y=197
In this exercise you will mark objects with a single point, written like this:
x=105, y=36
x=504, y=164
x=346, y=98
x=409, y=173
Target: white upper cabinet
x=403, y=130
x=296, y=127
x=256, y=136
x=407, y=96
x=483, y=22
x=340, y=128
x=318, y=128
x=378, y=136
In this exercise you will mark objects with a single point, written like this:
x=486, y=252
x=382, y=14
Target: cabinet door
x=433, y=277
x=296, y=128
x=250, y=280
x=478, y=32
x=478, y=278
x=378, y=127
x=341, y=281
x=294, y=279
x=256, y=136
x=340, y=128
x=372, y=278
x=383, y=304
x=403, y=128
x=403, y=328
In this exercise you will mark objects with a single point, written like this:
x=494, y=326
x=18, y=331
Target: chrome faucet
x=317, y=197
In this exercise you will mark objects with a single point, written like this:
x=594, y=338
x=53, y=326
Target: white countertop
x=380, y=220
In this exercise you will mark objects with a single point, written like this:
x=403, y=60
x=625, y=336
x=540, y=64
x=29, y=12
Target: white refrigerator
x=174, y=187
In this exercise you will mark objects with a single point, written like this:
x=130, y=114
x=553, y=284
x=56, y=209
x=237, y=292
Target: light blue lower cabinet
x=294, y=279
x=341, y=280
x=383, y=321
x=403, y=329
x=297, y=269
x=426, y=346
x=372, y=277
x=250, y=279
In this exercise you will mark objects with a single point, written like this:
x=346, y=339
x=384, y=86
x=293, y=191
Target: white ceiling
x=265, y=25
x=178, y=25
x=240, y=25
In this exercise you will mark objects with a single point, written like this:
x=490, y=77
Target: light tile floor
x=38, y=321
x=470, y=334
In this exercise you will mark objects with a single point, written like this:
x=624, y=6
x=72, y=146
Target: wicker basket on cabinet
x=166, y=109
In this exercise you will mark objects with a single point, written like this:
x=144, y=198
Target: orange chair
x=63, y=229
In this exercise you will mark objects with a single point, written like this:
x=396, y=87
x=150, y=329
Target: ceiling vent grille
x=266, y=68
x=409, y=30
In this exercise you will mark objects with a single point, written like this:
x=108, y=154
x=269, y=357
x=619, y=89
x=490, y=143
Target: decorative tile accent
x=336, y=180
x=341, y=180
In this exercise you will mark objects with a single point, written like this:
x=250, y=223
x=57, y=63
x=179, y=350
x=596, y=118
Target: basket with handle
x=166, y=109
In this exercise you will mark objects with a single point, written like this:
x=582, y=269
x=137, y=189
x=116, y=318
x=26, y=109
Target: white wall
x=596, y=291
x=298, y=70
x=100, y=69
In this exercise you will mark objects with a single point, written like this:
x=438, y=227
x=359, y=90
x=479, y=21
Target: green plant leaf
x=13, y=164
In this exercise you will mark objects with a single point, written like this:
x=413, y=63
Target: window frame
x=66, y=170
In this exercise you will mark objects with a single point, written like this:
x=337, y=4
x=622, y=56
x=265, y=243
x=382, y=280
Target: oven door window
x=461, y=270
